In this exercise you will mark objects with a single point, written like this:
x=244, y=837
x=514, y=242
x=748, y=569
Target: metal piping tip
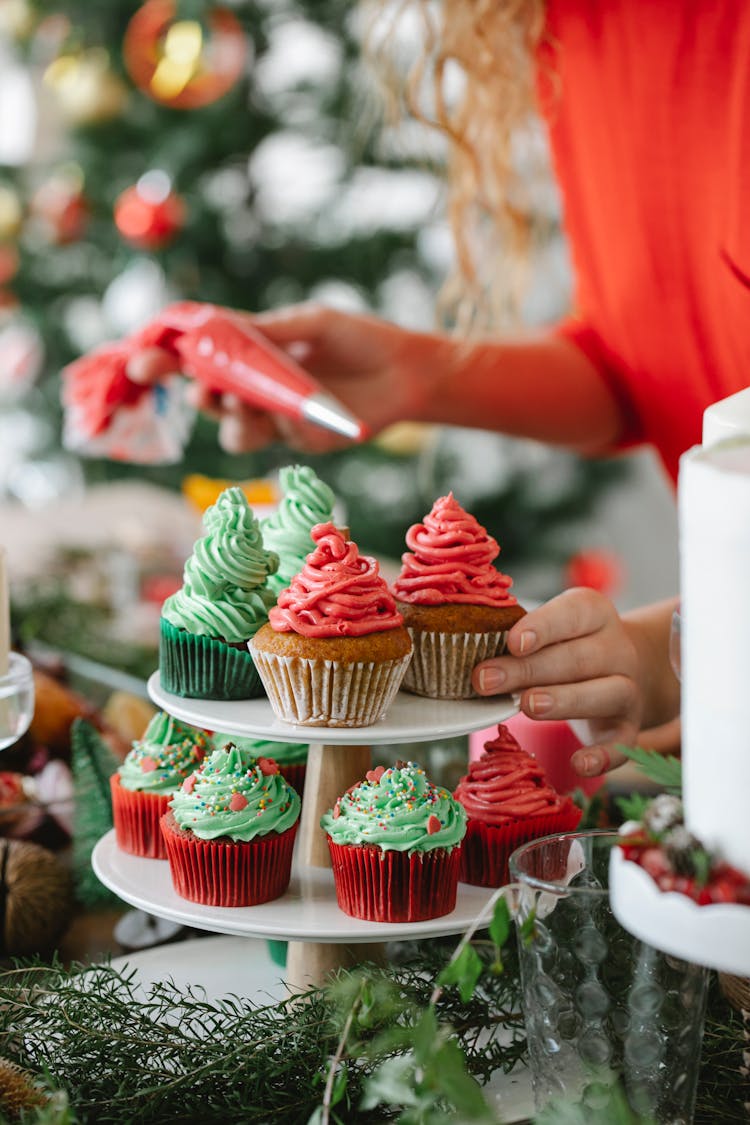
x=326, y=411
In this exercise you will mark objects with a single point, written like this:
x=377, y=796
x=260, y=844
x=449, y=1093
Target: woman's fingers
x=575, y=613
x=150, y=365
x=584, y=658
x=603, y=698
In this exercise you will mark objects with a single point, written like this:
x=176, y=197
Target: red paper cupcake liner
x=294, y=774
x=136, y=815
x=389, y=886
x=486, y=849
x=223, y=872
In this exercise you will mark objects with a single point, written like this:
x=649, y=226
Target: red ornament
x=597, y=569
x=374, y=776
x=149, y=214
x=9, y=262
x=433, y=825
x=267, y=766
x=175, y=62
x=60, y=209
x=237, y=802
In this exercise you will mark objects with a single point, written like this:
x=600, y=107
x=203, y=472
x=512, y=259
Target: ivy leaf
x=391, y=1084
x=464, y=971
x=665, y=771
x=450, y=1075
x=500, y=924
x=339, y=1084
x=425, y=1037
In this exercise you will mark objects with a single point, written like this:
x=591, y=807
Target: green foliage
x=92, y=763
x=665, y=770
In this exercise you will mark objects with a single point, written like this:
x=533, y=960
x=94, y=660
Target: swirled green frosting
x=237, y=795
x=225, y=590
x=306, y=501
x=168, y=753
x=397, y=809
x=285, y=753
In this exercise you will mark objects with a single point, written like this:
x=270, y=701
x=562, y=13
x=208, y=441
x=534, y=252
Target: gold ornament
x=11, y=213
x=405, y=439
x=87, y=89
x=16, y=19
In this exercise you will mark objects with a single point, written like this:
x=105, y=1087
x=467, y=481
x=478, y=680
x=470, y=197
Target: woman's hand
x=576, y=658
x=379, y=371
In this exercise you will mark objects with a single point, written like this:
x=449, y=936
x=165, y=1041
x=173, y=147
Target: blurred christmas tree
x=228, y=155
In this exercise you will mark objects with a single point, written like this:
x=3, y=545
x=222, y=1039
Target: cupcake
x=229, y=831
x=395, y=844
x=290, y=757
x=154, y=769
x=224, y=600
x=335, y=649
x=456, y=605
x=306, y=501
x=508, y=802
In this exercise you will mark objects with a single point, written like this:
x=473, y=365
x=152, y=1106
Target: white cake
x=714, y=504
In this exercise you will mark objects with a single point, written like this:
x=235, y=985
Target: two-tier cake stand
x=321, y=937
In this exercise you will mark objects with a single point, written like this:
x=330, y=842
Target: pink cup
x=551, y=742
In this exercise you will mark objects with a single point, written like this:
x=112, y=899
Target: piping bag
x=108, y=415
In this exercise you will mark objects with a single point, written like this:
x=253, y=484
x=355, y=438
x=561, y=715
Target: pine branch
x=665, y=770
x=92, y=762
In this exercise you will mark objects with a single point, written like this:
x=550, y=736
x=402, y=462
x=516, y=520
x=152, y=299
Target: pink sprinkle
x=375, y=775
x=148, y=765
x=238, y=802
x=267, y=766
x=188, y=784
x=336, y=811
x=433, y=825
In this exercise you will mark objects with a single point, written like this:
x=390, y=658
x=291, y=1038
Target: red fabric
x=648, y=106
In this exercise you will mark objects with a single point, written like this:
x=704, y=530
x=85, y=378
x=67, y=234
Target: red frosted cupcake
x=456, y=605
x=335, y=649
x=395, y=844
x=152, y=772
x=230, y=829
x=508, y=802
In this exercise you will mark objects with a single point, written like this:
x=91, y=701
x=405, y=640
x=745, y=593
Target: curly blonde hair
x=486, y=48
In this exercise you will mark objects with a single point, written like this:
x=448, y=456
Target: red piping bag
x=215, y=346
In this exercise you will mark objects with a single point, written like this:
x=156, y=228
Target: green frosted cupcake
x=306, y=501
x=224, y=600
x=291, y=757
x=230, y=830
x=395, y=844
x=153, y=770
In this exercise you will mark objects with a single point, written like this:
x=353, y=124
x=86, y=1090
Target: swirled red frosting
x=451, y=560
x=338, y=592
x=506, y=784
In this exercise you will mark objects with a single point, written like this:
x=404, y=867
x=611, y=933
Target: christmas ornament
x=180, y=62
x=18, y=1091
x=21, y=356
x=59, y=206
x=149, y=214
x=598, y=569
x=37, y=892
x=8, y=262
x=11, y=212
x=86, y=88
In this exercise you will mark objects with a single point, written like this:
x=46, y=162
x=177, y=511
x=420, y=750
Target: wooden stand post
x=330, y=772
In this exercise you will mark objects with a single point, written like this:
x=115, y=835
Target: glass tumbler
x=601, y=1007
x=16, y=699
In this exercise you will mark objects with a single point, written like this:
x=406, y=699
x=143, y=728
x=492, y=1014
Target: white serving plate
x=410, y=718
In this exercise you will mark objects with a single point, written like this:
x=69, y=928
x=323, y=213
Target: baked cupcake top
x=168, y=753
x=285, y=753
x=224, y=587
x=397, y=809
x=506, y=784
x=307, y=501
x=450, y=561
x=338, y=592
x=237, y=795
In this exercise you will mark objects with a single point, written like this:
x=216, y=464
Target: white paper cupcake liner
x=442, y=663
x=316, y=693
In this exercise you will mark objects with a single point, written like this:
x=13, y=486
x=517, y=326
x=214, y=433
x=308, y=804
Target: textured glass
x=16, y=699
x=599, y=1005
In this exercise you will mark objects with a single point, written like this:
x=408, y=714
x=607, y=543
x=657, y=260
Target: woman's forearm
x=545, y=388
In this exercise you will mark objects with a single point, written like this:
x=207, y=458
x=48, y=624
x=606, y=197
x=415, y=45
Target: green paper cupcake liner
x=205, y=668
